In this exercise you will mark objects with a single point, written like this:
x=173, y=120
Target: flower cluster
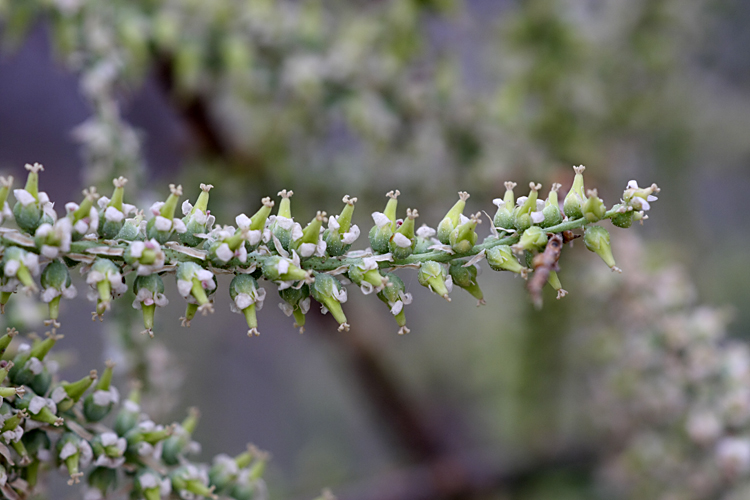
x=315, y=261
x=47, y=423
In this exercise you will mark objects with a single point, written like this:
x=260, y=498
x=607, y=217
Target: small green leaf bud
x=385, y=224
x=56, y=283
x=297, y=303
x=501, y=258
x=503, y=219
x=551, y=211
x=247, y=298
x=433, y=275
x=341, y=233
x=596, y=239
x=30, y=202
x=395, y=296
x=402, y=242
x=593, y=209
x=464, y=237
x=149, y=293
x=574, y=200
x=533, y=239
x=465, y=276
x=452, y=219
x=328, y=291
x=161, y=226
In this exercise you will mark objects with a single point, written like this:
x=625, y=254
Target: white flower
x=380, y=219
x=244, y=300
x=426, y=232
x=24, y=197
x=147, y=297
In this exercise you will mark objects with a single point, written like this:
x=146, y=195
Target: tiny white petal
x=162, y=223
x=397, y=307
x=68, y=450
x=401, y=240
x=24, y=197
x=179, y=226
x=113, y=215
x=242, y=221
x=186, y=207
x=223, y=253
x=380, y=219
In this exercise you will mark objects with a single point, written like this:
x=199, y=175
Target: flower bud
x=178, y=443
x=197, y=219
x=5, y=184
x=593, y=208
x=466, y=277
x=161, y=226
x=75, y=453
x=6, y=339
x=574, y=200
x=146, y=257
x=84, y=217
x=149, y=293
x=129, y=413
x=98, y=404
x=504, y=216
x=193, y=283
x=112, y=212
x=51, y=239
x=107, y=283
x=39, y=408
x=533, y=239
x=596, y=239
x=501, y=258
x=283, y=228
x=103, y=479
x=256, y=224
x=464, y=237
x=225, y=469
x=297, y=303
x=551, y=211
x=247, y=297
x=433, y=275
x=68, y=393
x=56, y=283
x=311, y=242
x=152, y=485
x=21, y=264
x=277, y=268
x=402, y=242
x=341, y=233
x=328, y=291
x=425, y=239
x=365, y=273
x=132, y=229
x=530, y=209
x=28, y=209
x=189, y=479
x=28, y=361
x=395, y=296
x=385, y=224
x=452, y=219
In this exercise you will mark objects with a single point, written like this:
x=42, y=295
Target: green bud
x=433, y=276
x=593, y=208
x=127, y=417
x=466, y=277
x=554, y=281
x=341, y=233
x=197, y=219
x=504, y=216
x=161, y=226
x=56, y=283
x=551, y=211
x=28, y=208
x=71, y=451
x=596, y=239
x=464, y=237
x=188, y=479
x=150, y=484
x=98, y=404
x=104, y=479
x=75, y=390
x=149, y=293
x=501, y=258
x=283, y=226
x=277, y=268
x=247, y=297
x=328, y=291
x=6, y=339
x=402, y=242
x=32, y=403
x=297, y=303
x=385, y=223
x=395, y=297
x=533, y=239
x=365, y=273
x=452, y=219
x=623, y=217
x=574, y=200
x=522, y=216
x=21, y=264
x=175, y=445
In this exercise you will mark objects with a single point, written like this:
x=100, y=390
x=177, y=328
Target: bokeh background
x=430, y=97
